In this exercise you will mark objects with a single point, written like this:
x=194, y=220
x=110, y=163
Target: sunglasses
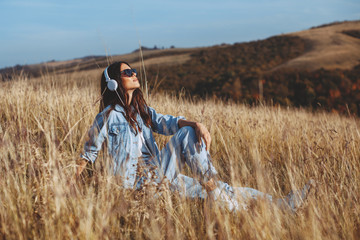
x=129, y=72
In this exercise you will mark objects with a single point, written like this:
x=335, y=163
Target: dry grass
x=42, y=129
x=329, y=48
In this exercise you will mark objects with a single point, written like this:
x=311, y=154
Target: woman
x=126, y=123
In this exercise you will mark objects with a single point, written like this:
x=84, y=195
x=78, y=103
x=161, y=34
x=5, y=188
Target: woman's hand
x=200, y=130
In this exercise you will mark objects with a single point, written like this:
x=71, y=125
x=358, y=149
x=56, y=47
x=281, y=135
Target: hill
x=334, y=46
x=316, y=68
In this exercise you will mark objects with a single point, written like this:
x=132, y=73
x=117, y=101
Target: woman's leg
x=232, y=198
x=182, y=148
x=243, y=195
x=238, y=198
x=188, y=187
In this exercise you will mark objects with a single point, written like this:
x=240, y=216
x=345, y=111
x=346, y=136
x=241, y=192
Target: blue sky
x=34, y=31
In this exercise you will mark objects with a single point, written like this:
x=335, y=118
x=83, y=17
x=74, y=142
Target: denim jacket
x=122, y=142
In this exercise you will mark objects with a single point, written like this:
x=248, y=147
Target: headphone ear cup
x=112, y=85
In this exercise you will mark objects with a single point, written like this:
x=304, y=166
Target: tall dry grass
x=42, y=129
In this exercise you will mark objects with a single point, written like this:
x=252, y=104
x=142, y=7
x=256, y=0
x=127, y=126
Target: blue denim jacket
x=122, y=142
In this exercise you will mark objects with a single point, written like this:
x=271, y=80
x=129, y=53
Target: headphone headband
x=106, y=74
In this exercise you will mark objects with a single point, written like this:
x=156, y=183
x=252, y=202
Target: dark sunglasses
x=129, y=72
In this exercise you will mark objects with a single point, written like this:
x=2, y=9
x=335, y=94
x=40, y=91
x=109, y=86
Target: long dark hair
x=137, y=105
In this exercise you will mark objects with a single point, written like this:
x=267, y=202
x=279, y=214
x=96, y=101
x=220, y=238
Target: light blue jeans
x=183, y=148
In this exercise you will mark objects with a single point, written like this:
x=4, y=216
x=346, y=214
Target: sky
x=35, y=31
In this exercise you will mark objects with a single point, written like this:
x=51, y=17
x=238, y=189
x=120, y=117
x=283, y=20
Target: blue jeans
x=183, y=148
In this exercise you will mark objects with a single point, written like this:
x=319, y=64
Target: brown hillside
x=331, y=48
x=166, y=57
x=161, y=56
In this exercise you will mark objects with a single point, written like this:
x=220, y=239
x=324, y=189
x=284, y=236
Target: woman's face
x=129, y=83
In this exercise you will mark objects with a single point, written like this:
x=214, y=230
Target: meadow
x=43, y=126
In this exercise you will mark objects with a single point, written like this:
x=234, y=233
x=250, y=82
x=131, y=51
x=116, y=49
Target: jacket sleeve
x=164, y=124
x=96, y=136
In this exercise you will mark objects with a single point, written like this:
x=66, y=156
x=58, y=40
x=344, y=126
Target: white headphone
x=111, y=83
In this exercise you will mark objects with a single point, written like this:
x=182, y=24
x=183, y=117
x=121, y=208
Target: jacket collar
x=119, y=108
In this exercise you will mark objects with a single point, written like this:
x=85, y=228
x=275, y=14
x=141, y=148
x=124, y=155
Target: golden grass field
x=43, y=126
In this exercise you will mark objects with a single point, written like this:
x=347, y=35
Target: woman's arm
x=200, y=130
x=96, y=136
x=169, y=125
x=164, y=124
